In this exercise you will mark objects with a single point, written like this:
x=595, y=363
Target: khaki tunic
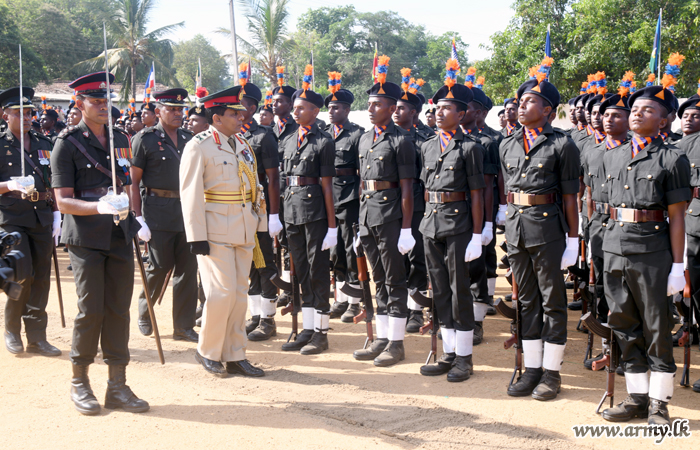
x=210, y=164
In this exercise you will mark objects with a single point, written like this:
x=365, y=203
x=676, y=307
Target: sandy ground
x=326, y=401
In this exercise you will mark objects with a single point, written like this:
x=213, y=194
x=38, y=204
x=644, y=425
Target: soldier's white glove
x=330, y=240
x=487, y=233
x=56, y=226
x=580, y=224
x=570, y=254
x=144, y=232
x=274, y=226
x=501, y=215
x=685, y=253
x=406, y=241
x=474, y=248
x=14, y=186
x=106, y=208
x=676, y=279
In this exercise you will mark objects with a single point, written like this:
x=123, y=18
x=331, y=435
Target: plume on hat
x=471, y=77
x=199, y=94
x=601, y=83
x=308, y=77
x=334, y=83
x=415, y=85
x=584, y=87
x=243, y=74
x=626, y=84
x=480, y=83
x=673, y=69
x=280, y=76
x=650, y=79
x=592, y=86
x=132, y=105
x=544, y=69
x=452, y=66
x=405, y=78
x=382, y=67
x=268, y=97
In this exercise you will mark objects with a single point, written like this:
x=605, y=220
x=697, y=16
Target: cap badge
x=103, y=85
x=179, y=97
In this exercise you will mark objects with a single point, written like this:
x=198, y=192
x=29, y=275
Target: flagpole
x=233, y=41
x=21, y=111
x=313, y=71
x=658, y=64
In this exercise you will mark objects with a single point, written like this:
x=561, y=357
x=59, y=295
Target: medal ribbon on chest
x=44, y=157
x=123, y=156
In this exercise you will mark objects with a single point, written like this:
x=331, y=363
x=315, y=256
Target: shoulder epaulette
x=186, y=131
x=325, y=134
x=68, y=130
x=203, y=135
x=40, y=136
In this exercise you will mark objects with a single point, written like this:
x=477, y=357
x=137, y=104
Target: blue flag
x=548, y=45
x=656, y=50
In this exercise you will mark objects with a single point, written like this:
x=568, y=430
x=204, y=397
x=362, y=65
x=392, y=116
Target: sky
x=475, y=21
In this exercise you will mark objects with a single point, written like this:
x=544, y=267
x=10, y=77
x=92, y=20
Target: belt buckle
x=434, y=197
x=370, y=185
x=625, y=215
x=293, y=181
x=520, y=199
x=33, y=197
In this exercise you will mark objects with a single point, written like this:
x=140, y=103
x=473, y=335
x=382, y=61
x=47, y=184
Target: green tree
x=214, y=68
x=132, y=48
x=10, y=40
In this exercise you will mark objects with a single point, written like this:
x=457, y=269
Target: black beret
x=545, y=90
x=572, y=101
x=583, y=98
x=342, y=96
x=489, y=105
x=458, y=93
x=251, y=91
x=510, y=100
x=171, y=97
x=149, y=106
x=423, y=101
x=692, y=103
x=616, y=101
x=310, y=96
x=267, y=108
x=116, y=112
x=412, y=99
x=657, y=93
x=502, y=112
x=197, y=111
x=479, y=97
x=596, y=100
x=388, y=89
x=9, y=98
x=51, y=113
x=286, y=91
x=137, y=114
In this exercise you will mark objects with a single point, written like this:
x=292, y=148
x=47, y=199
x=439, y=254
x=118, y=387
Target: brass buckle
x=625, y=215
x=33, y=197
x=434, y=197
x=370, y=185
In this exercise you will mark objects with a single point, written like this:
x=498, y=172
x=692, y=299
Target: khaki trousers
x=224, y=275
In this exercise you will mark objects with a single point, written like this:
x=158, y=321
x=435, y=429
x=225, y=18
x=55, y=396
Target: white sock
x=353, y=300
x=413, y=306
x=553, y=356
x=307, y=317
x=268, y=307
x=492, y=286
x=254, y=305
x=532, y=353
x=286, y=275
x=321, y=322
x=397, y=328
x=480, y=311
x=448, y=339
x=464, y=343
x=340, y=295
x=661, y=386
x=637, y=383
x=382, y=326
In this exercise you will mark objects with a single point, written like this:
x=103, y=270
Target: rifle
x=142, y=269
x=433, y=323
x=579, y=274
x=594, y=309
x=685, y=341
x=58, y=285
x=364, y=292
x=611, y=355
x=276, y=278
x=294, y=306
x=515, y=339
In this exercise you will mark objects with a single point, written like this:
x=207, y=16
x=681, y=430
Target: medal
x=123, y=156
x=44, y=157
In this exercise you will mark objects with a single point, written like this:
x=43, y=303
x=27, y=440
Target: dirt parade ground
x=327, y=401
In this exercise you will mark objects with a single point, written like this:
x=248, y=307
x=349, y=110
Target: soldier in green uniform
x=430, y=116
x=148, y=115
x=156, y=202
x=197, y=120
x=48, y=120
x=101, y=252
x=29, y=214
x=510, y=105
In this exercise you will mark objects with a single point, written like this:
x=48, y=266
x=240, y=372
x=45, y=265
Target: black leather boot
x=548, y=387
x=658, y=412
x=13, y=343
x=415, y=321
x=338, y=308
x=461, y=370
x=317, y=344
x=526, y=383
x=252, y=324
x=119, y=395
x=392, y=354
x=349, y=315
x=283, y=299
x=441, y=367
x=264, y=331
x=635, y=405
x=81, y=392
x=575, y=305
x=478, y=333
x=185, y=334
x=696, y=386
x=297, y=344
x=371, y=352
x=145, y=326
x=588, y=364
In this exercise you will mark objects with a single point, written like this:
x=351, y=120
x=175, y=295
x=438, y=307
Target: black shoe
x=548, y=387
x=198, y=312
x=267, y=329
x=283, y=299
x=43, y=348
x=491, y=311
x=244, y=368
x=677, y=335
x=371, y=352
x=70, y=267
x=338, y=308
x=81, y=392
x=696, y=386
x=693, y=335
x=588, y=363
x=349, y=315
x=635, y=405
x=526, y=383
x=415, y=321
x=478, y=333
x=508, y=297
x=13, y=342
x=317, y=344
x=441, y=367
x=461, y=370
x=145, y=326
x=620, y=371
x=297, y=344
x=186, y=334
x=198, y=323
x=119, y=395
x=658, y=413
x=576, y=305
x=392, y=354
x=252, y=324
x=213, y=367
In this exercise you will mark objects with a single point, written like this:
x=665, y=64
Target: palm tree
x=131, y=47
x=267, y=24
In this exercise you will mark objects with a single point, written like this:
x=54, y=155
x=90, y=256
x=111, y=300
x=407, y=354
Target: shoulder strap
x=92, y=160
x=170, y=147
x=31, y=163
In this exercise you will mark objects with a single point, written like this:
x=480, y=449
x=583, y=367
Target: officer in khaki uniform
x=222, y=209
